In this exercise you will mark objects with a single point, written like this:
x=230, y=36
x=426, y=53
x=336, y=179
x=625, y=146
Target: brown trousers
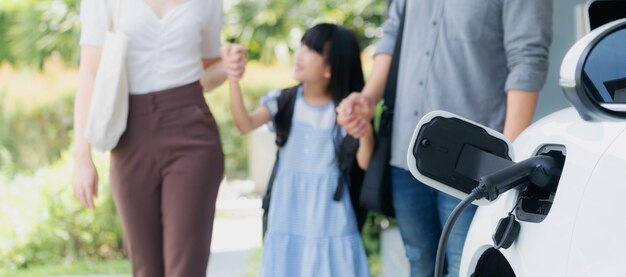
x=165, y=174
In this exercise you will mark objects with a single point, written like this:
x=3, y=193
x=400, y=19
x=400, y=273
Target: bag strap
x=392, y=77
x=265, y=202
x=350, y=175
x=346, y=154
x=282, y=124
x=282, y=119
x=114, y=10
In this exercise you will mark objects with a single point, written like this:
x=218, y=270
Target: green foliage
x=83, y=267
x=41, y=221
x=5, y=22
x=266, y=26
x=13, y=5
x=32, y=31
x=6, y=158
x=373, y=227
x=44, y=224
x=47, y=27
x=30, y=139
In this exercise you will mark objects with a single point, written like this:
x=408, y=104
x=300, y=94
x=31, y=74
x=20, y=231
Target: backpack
x=346, y=149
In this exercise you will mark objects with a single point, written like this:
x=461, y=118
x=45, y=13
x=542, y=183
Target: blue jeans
x=421, y=212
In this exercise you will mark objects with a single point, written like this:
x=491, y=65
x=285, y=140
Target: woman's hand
x=85, y=181
x=234, y=58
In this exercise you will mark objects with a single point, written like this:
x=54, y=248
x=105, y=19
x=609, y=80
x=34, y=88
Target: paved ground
x=236, y=239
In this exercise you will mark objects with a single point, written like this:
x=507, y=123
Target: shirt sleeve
x=211, y=31
x=387, y=43
x=527, y=36
x=270, y=101
x=94, y=22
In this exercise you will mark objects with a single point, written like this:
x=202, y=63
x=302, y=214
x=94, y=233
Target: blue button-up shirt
x=462, y=56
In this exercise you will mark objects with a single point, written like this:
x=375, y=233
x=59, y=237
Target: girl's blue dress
x=310, y=234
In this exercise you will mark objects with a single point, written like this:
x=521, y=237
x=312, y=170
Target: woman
x=167, y=166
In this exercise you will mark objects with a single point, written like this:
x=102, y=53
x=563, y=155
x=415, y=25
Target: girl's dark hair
x=342, y=52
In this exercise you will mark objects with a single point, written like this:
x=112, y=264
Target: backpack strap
x=352, y=176
x=284, y=115
x=282, y=125
x=345, y=156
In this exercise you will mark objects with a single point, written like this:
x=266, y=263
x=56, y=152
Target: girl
x=312, y=230
x=167, y=167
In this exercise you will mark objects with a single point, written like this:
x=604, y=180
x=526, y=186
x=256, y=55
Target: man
x=484, y=60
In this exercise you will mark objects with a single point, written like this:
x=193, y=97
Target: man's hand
x=354, y=113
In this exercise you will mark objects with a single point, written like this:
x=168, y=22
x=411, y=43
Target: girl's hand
x=366, y=146
x=85, y=181
x=234, y=57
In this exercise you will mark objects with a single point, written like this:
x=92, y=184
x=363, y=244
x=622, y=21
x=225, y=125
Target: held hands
x=354, y=114
x=234, y=58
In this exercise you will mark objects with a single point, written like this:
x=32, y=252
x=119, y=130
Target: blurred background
x=44, y=231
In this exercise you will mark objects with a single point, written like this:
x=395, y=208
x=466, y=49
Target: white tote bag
x=109, y=103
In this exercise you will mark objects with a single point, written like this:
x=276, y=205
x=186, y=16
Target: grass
x=113, y=267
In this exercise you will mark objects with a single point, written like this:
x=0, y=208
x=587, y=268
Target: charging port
x=535, y=202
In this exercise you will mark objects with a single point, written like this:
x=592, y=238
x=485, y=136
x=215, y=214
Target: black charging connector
x=540, y=170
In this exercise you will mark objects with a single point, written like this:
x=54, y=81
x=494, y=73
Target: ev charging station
x=550, y=204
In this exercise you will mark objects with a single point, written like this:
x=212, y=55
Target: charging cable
x=541, y=170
